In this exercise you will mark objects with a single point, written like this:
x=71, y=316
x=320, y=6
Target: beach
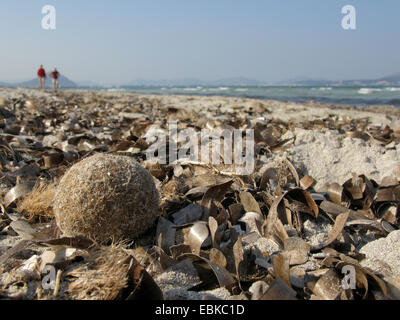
x=312, y=146
x=322, y=146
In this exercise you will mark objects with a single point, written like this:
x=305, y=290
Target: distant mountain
x=237, y=81
x=301, y=80
x=164, y=82
x=391, y=80
x=185, y=82
x=34, y=83
x=88, y=83
x=305, y=82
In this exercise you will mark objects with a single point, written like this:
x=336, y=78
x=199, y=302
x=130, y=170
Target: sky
x=116, y=42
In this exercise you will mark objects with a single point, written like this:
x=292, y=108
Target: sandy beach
x=310, y=146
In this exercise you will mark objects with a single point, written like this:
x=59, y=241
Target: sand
x=329, y=156
x=383, y=258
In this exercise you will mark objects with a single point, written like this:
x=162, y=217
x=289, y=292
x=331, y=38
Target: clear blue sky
x=114, y=42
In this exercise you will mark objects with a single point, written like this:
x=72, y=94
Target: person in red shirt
x=42, y=76
x=54, y=75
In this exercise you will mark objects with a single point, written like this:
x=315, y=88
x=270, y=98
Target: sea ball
x=106, y=197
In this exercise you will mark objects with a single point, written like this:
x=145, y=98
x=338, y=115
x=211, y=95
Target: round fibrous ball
x=106, y=197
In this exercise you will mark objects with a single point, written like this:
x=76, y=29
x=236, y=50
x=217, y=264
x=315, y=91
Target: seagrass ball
x=106, y=197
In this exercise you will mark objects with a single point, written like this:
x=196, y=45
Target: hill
x=391, y=80
x=34, y=83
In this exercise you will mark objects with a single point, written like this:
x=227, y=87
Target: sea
x=353, y=96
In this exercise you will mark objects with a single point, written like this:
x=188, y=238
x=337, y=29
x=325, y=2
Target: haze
x=116, y=42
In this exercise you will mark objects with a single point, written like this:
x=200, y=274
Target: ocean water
x=358, y=96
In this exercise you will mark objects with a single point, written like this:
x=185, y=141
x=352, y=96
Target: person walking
x=42, y=76
x=54, y=75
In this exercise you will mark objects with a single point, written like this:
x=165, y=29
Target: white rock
x=383, y=257
x=386, y=250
